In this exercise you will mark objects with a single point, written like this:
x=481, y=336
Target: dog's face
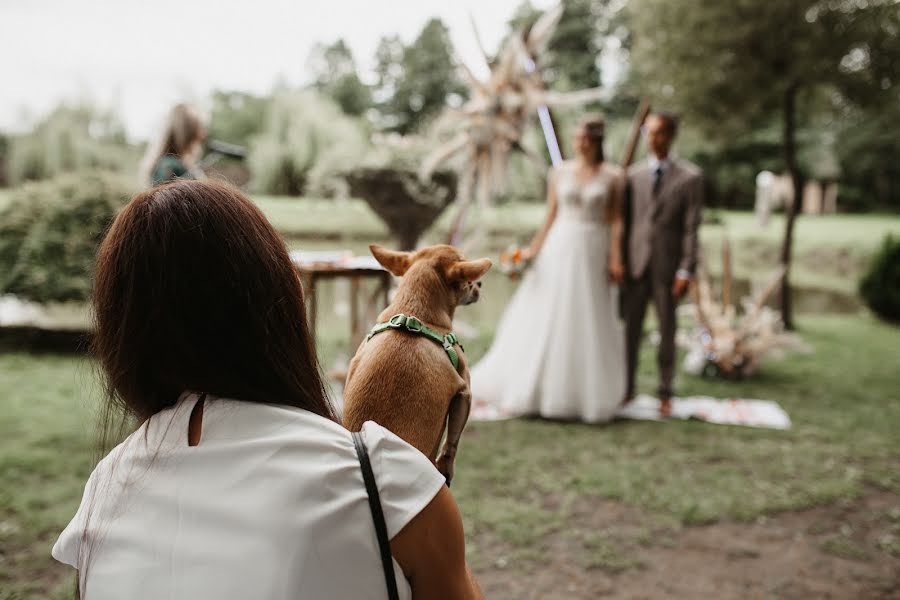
x=460, y=276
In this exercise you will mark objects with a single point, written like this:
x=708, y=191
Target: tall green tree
x=335, y=75
x=868, y=146
x=421, y=83
x=730, y=65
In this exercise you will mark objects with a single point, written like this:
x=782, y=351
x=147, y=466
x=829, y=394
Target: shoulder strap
x=377, y=515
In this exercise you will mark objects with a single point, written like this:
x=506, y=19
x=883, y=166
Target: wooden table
x=312, y=272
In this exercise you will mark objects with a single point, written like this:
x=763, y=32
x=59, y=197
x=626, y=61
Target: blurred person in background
x=665, y=202
x=174, y=155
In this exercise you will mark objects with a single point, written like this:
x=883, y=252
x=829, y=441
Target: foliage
x=236, y=117
x=880, y=287
x=572, y=58
x=334, y=70
x=867, y=145
x=729, y=70
x=415, y=82
x=728, y=65
x=391, y=150
x=306, y=139
x=71, y=138
x=49, y=233
x=388, y=69
x=4, y=157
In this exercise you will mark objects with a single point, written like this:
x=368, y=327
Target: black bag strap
x=384, y=546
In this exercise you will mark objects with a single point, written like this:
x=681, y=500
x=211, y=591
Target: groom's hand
x=680, y=287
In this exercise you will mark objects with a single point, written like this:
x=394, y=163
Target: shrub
x=305, y=142
x=880, y=286
x=49, y=233
x=70, y=138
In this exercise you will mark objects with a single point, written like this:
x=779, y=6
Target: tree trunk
x=790, y=160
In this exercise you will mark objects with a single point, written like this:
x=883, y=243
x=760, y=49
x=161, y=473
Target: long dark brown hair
x=194, y=290
x=183, y=130
x=594, y=129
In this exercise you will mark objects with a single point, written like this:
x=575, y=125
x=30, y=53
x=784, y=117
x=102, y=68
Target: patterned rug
x=731, y=411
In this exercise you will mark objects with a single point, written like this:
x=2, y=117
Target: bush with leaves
x=304, y=143
x=49, y=233
x=880, y=286
x=71, y=138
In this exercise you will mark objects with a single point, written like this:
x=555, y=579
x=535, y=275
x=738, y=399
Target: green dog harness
x=415, y=326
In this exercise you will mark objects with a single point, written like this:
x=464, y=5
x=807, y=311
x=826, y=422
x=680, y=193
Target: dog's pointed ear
x=395, y=262
x=471, y=270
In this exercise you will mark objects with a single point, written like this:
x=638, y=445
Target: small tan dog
x=410, y=375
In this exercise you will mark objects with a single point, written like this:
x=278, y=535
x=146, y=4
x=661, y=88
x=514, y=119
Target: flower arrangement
x=514, y=262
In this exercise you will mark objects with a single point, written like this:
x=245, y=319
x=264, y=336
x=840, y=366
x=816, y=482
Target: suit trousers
x=636, y=295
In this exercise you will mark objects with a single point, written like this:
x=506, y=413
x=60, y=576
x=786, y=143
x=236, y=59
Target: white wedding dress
x=559, y=350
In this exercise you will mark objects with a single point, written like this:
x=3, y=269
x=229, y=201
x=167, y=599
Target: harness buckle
x=414, y=325
x=398, y=321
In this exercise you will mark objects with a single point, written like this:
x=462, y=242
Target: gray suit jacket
x=662, y=229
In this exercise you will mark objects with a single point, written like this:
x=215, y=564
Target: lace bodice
x=583, y=201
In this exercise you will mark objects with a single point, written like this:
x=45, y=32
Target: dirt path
x=849, y=550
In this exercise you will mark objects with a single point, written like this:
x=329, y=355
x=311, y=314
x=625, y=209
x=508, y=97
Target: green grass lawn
x=519, y=480
x=843, y=398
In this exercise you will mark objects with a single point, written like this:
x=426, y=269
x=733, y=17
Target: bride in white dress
x=559, y=350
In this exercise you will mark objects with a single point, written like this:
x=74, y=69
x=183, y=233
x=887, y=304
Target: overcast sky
x=141, y=56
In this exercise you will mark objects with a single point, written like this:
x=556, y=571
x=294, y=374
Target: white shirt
x=655, y=163
x=270, y=505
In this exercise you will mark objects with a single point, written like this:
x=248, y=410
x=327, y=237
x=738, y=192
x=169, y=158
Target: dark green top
x=169, y=168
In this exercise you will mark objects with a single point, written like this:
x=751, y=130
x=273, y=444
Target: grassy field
x=521, y=481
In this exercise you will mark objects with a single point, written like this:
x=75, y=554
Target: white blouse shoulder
x=271, y=504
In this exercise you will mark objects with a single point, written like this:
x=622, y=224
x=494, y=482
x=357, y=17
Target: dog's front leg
x=457, y=416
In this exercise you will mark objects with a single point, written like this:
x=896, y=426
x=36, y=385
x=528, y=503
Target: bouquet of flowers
x=514, y=262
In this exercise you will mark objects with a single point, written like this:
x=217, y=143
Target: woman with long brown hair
x=238, y=480
x=559, y=349
x=175, y=152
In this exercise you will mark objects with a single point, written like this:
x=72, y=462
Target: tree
x=388, y=67
x=71, y=137
x=237, y=116
x=334, y=69
x=304, y=143
x=867, y=145
x=730, y=65
x=572, y=55
x=419, y=84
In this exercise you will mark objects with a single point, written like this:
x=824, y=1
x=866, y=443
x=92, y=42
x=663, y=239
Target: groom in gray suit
x=662, y=217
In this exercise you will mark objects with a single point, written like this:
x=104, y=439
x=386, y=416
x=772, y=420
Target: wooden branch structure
x=634, y=137
x=732, y=344
x=491, y=124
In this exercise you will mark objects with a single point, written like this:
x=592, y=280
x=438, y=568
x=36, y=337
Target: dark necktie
x=657, y=178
